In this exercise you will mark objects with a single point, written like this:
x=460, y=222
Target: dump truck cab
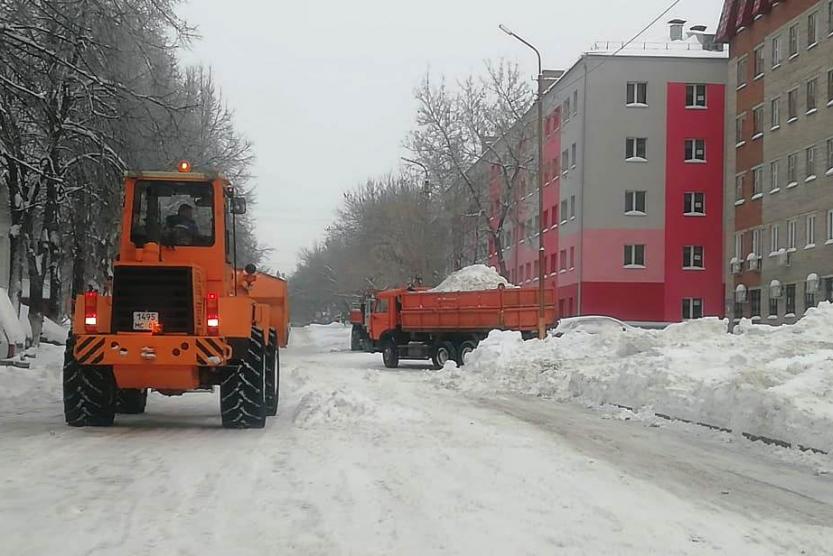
x=181, y=317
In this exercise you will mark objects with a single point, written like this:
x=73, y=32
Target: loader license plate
x=144, y=320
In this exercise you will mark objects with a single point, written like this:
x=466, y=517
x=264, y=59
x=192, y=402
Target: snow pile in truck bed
x=473, y=278
x=772, y=382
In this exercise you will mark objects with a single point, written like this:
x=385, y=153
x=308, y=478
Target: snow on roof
x=692, y=47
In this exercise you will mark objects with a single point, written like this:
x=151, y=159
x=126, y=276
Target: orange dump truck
x=181, y=317
x=443, y=326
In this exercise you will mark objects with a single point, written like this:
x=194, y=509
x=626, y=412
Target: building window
x=812, y=87
x=829, y=226
x=830, y=17
x=794, y=41
x=774, y=177
x=742, y=72
x=792, y=105
x=738, y=245
x=829, y=169
x=758, y=182
x=775, y=113
x=563, y=256
x=790, y=299
x=636, y=149
x=774, y=239
x=635, y=203
x=792, y=234
x=773, y=307
x=777, y=55
x=573, y=156
x=758, y=122
x=695, y=96
x=575, y=102
x=692, y=257
x=740, y=194
x=695, y=150
x=635, y=256
x=809, y=297
x=830, y=88
x=792, y=170
x=566, y=110
x=756, y=242
x=758, y=62
x=553, y=263
x=694, y=204
x=811, y=231
x=564, y=211
x=755, y=303
x=812, y=29
x=572, y=207
x=810, y=162
x=565, y=159
x=572, y=258
x=692, y=308
x=739, y=129
x=637, y=94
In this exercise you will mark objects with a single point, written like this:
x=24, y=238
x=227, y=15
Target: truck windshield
x=173, y=214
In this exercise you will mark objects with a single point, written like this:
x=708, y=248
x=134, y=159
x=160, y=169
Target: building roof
x=691, y=47
x=738, y=14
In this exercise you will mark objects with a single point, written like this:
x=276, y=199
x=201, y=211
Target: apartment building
x=779, y=159
x=633, y=200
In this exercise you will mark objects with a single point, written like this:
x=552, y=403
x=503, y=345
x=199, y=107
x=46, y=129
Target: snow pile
x=473, y=278
x=321, y=337
x=772, y=382
x=11, y=325
x=54, y=333
x=340, y=408
x=42, y=381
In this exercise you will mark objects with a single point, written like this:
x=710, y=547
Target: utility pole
x=542, y=326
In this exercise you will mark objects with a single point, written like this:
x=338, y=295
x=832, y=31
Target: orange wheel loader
x=180, y=317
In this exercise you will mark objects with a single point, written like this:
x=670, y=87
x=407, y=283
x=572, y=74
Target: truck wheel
x=131, y=401
x=273, y=375
x=89, y=392
x=465, y=350
x=443, y=353
x=243, y=389
x=390, y=355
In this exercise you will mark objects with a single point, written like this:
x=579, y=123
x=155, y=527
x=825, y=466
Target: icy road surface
x=362, y=460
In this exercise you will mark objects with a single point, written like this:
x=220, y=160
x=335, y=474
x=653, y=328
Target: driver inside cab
x=183, y=222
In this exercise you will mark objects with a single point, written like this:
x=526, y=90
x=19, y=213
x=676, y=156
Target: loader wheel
x=131, y=401
x=273, y=375
x=243, y=389
x=89, y=392
x=442, y=354
x=465, y=350
x=390, y=355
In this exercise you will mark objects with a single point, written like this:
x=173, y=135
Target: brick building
x=633, y=207
x=779, y=158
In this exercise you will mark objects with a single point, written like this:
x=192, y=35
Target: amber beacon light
x=184, y=167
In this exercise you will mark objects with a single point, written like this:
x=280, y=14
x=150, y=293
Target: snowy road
x=362, y=460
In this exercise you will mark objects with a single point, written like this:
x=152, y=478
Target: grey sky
x=324, y=88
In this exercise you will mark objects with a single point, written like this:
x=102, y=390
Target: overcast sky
x=324, y=88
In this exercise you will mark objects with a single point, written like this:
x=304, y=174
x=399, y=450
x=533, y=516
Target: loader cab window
x=175, y=214
x=381, y=306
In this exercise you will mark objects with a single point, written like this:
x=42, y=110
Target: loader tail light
x=91, y=312
x=212, y=314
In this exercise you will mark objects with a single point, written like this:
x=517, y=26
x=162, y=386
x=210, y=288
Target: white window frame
x=758, y=117
x=793, y=40
x=697, y=101
x=810, y=231
x=792, y=234
x=812, y=29
x=830, y=87
x=792, y=107
x=694, y=144
x=690, y=202
x=829, y=236
x=738, y=245
x=792, y=170
x=573, y=156
x=689, y=304
x=739, y=136
x=775, y=114
x=564, y=213
x=757, y=182
x=775, y=176
x=776, y=51
x=740, y=188
x=812, y=95
x=632, y=203
x=756, y=242
x=758, y=62
x=631, y=251
x=829, y=149
x=632, y=94
x=632, y=149
x=572, y=207
x=810, y=163
x=742, y=71
x=691, y=254
x=774, y=239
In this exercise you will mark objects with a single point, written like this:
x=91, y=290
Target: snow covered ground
x=363, y=460
x=764, y=381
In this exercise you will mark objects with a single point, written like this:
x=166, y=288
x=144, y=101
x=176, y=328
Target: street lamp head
x=506, y=30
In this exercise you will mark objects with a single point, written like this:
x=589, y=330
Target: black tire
x=273, y=375
x=131, y=401
x=465, y=349
x=243, y=388
x=390, y=354
x=441, y=354
x=89, y=393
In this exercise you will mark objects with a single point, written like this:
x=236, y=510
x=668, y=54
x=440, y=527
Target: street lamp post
x=540, y=102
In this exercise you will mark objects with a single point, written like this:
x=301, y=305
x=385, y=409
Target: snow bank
x=342, y=408
x=473, y=278
x=42, y=381
x=15, y=332
x=321, y=337
x=772, y=382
